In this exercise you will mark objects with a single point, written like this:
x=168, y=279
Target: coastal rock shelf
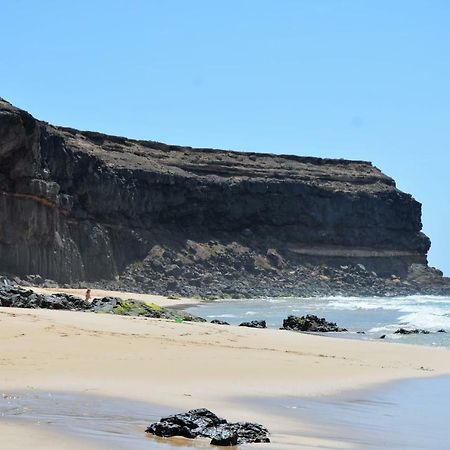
x=16, y=297
x=79, y=205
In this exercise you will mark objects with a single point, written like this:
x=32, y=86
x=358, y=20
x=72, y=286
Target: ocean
x=374, y=316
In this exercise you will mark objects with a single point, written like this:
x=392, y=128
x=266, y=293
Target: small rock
x=219, y=322
x=416, y=331
x=254, y=324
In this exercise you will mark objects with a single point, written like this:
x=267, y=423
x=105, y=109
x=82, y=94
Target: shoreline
x=408, y=320
x=405, y=413
x=317, y=423
x=190, y=365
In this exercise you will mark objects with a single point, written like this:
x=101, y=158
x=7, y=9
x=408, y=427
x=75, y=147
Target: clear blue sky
x=349, y=79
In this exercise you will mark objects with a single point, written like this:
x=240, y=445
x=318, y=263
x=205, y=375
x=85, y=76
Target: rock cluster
x=415, y=331
x=20, y=298
x=254, y=324
x=15, y=297
x=219, y=322
x=203, y=423
x=242, y=277
x=310, y=323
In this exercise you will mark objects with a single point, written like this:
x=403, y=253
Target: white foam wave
x=426, y=321
x=221, y=316
x=410, y=304
x=383, y=329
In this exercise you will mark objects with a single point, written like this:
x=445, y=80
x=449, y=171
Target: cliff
x=77, y=205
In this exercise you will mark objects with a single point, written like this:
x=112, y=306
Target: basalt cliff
x=78, y=206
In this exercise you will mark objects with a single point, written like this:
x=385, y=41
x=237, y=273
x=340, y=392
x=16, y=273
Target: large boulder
x=311, y=323
x=204, y=423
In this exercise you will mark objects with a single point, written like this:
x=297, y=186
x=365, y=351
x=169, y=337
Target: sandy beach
x=189, y=365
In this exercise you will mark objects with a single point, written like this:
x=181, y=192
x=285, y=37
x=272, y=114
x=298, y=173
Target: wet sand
x=407, y=414
x=85, y=421
x=191, y=365
x=404, y=414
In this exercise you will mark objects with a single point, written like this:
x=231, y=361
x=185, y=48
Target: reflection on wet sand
x=116, y=424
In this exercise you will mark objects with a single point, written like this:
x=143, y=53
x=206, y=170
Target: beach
x=181, y=366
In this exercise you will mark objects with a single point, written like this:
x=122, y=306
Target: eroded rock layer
x=80, y=205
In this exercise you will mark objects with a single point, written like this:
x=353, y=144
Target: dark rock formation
x=20, y=298
x=141, y=215
x=139, y=308
x=415, y=331
x=204, y=423
x=310, y=323
x=219, y=322
x=16, y=297
x=254, y=324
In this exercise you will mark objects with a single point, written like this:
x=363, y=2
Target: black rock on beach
x=16, y=297
x=203, y=423
x=21, y=298
x=254, y=324
x=310, y=323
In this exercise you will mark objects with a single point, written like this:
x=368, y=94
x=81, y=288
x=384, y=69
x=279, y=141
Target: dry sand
x=192, y=365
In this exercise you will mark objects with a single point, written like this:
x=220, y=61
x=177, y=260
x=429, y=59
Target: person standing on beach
x=87, y=296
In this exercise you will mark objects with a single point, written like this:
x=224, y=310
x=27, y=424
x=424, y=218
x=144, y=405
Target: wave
x=402, y=304
x=221, y=316
x=427, y=321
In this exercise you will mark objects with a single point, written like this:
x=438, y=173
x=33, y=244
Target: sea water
x=402, y=415
x=373, y=316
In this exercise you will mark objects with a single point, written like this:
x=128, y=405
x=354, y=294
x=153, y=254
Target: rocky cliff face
x=80, y=205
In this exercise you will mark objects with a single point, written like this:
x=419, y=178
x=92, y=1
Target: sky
x=354, y=79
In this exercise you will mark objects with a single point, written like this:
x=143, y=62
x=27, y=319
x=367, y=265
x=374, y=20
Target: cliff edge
x=83, y=206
